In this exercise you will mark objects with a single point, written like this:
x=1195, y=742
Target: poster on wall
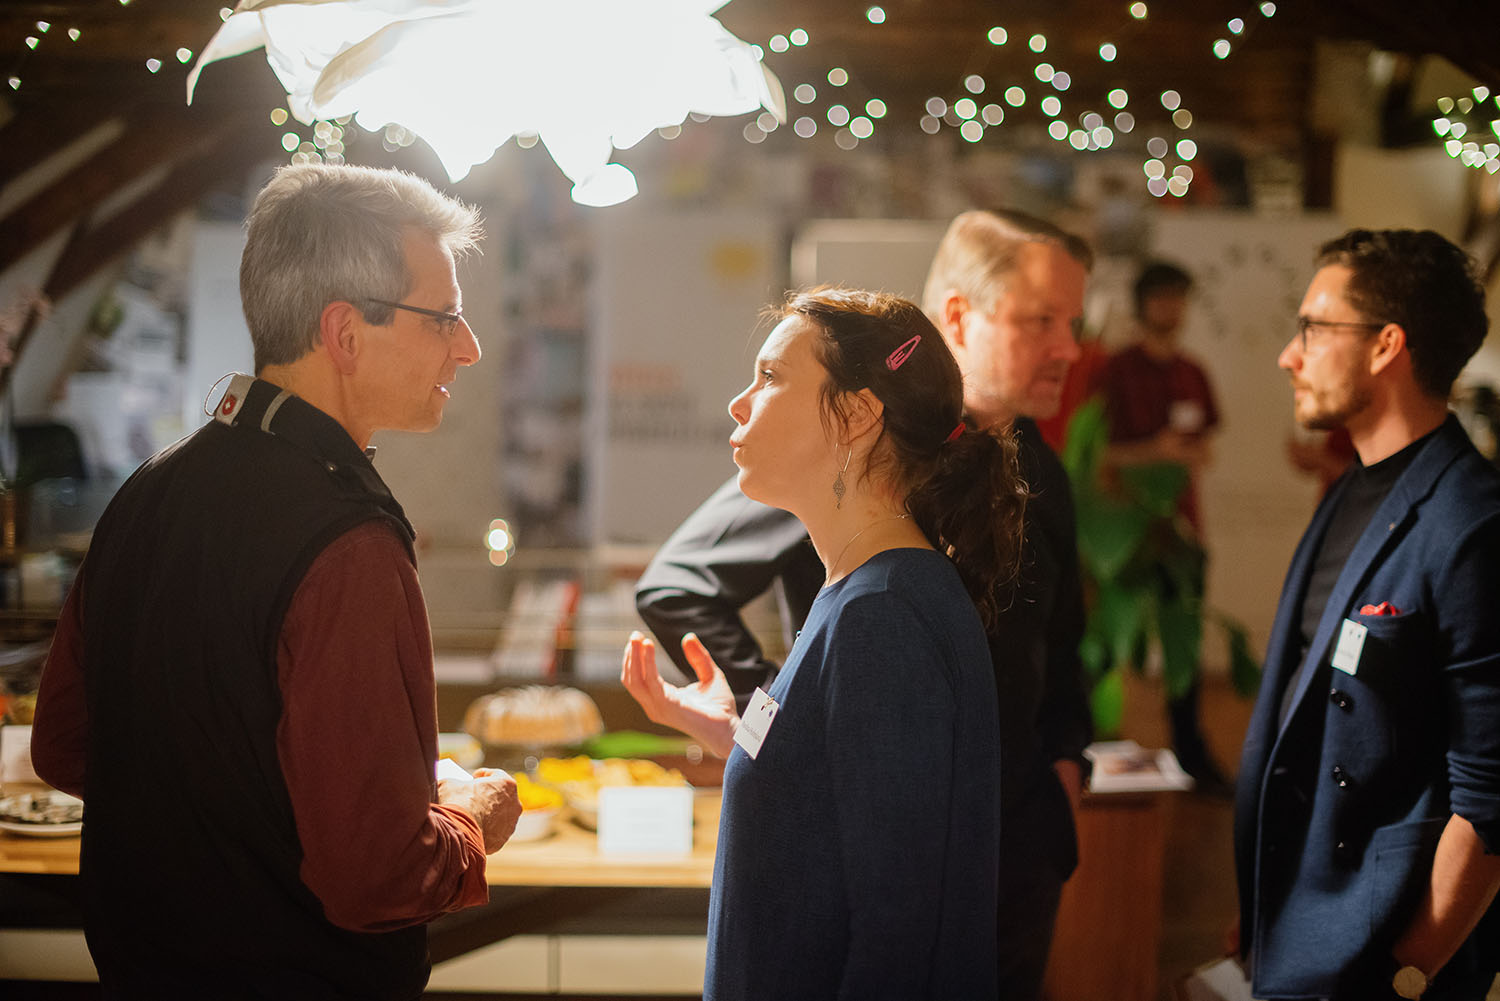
x=676, y=324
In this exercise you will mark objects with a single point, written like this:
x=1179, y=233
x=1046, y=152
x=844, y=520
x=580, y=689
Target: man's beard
x=1335, y=414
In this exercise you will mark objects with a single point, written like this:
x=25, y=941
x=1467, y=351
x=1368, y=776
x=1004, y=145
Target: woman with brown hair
x=856, y=845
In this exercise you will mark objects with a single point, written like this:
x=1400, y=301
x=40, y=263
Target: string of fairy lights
x=983, y=101
x=41, y=31
x=1469, y=127
x=978, y=108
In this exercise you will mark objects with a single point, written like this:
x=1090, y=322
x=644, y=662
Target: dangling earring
x=838, y=481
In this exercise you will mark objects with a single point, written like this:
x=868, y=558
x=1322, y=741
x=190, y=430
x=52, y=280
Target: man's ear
x=1390, y=345
x=339, y=329
x=951, y=316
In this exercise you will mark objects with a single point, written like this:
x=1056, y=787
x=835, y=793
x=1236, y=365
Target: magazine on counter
x=1125, y=766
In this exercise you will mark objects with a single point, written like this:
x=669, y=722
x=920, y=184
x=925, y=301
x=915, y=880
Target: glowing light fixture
x=586, y=76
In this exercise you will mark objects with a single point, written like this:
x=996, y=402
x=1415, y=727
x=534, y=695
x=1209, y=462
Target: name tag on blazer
x=1350, y=645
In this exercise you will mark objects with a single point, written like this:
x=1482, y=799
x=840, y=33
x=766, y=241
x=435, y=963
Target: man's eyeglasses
x=1306, y=323
x=449, y=321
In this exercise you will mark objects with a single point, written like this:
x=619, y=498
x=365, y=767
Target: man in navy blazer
x=1367, y=826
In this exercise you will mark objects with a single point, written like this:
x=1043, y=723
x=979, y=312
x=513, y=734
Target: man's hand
x=491, y=799
x=1191, y=450
x=704, y=710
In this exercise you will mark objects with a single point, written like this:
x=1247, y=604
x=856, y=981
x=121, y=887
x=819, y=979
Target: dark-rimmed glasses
x=449, y=321
x=1305, y=323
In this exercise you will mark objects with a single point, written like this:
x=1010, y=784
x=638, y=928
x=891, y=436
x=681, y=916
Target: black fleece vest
x=190, y=851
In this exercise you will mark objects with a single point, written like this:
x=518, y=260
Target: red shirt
x=1143, y=395
x=355, y=740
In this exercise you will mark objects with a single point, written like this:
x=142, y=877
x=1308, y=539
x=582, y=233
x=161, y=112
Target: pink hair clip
x=953, y=435
x=898, y=357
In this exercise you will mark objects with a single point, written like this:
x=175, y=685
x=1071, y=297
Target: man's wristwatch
x=1409, y=982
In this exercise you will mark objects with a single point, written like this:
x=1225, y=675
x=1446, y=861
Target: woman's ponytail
x=970, y=507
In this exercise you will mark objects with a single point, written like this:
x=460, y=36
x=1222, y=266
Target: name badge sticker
x=756, y=722
x=1351, y=644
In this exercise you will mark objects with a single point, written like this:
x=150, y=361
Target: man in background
x=1160, y=407
x=241, y=687
x=1367, y=820
x=1006, y=291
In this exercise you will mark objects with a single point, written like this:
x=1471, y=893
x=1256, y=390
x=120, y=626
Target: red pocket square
x=1384, y=608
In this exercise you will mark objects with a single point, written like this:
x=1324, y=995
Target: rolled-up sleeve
x=357, y=741
x=1468, y=596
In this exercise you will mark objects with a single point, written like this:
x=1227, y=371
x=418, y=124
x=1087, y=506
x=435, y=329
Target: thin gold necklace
x=832, y=567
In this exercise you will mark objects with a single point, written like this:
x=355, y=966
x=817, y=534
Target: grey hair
x=319, y=234
x=979, y=253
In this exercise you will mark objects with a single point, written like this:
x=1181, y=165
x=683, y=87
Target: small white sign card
x=645, y=820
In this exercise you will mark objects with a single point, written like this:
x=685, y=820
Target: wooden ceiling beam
x=235, y=148
x=147, y=143
x=227, y=157
x=45, y=128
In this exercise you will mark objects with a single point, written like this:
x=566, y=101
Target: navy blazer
x=1340, y=807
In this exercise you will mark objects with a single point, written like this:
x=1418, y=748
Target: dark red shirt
x=1144, y=395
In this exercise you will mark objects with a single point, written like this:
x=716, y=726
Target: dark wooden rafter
x=153, y=137
x=43, y=130
x=223, y=156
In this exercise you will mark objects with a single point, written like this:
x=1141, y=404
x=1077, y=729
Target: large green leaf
x=1094, y=653
x=1119, y=621
x=1180, y=626
x=1109, y=533
x=1108, y=704
x=1084, y=442
x=1155, y=486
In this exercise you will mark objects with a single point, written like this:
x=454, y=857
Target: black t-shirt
x=1368, y=487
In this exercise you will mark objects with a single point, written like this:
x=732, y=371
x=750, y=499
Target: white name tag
x=1351, y=645
x=756, y=722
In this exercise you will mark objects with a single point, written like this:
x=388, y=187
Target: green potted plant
x=1142, y=575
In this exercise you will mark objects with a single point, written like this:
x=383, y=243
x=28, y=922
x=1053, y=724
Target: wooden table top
x=568, y=857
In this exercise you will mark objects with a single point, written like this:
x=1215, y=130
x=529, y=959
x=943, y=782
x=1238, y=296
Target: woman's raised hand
x=704, y=710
